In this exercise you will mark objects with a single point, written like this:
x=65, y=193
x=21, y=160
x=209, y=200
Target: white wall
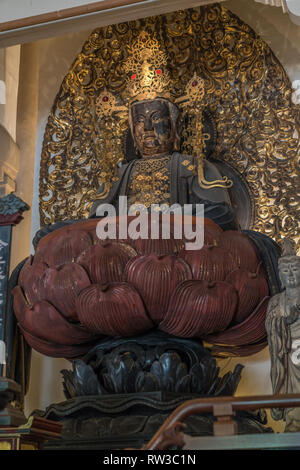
x=9, y=73
x=56, y=57
x=9, y=151
x=14, y=9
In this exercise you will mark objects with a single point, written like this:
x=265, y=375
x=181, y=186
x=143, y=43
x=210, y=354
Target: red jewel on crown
x=195, y=83
x=105, y=99
x=158, y=72
x=133, y=77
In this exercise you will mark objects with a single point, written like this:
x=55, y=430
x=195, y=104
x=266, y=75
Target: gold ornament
x=147, y=68
x=192, y=103
x=106, y=105
x=107, y=144
x=150, y=182
x=194, y=92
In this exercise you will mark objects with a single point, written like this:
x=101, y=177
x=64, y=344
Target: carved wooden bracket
x=11, y=209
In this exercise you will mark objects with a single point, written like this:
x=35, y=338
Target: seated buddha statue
x=162, y=175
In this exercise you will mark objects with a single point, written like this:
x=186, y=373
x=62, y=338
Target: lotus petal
x=211, y=263
x=211, y=233
x=113, y=310
x=62, y=285
x=158, y=247
x=199, y=307
x=175, y=245
x=30, y=279
x=241, y=351
x=62, y=246
x=119, y=232
x=172, y=234
x=251, y=289
x=155, y=278
x=241, y=248
x=251, y=330
x=106, y=262
x=159, y=225
x=45, y=322
x=54, y=349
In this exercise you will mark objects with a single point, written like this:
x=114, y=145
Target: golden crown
x=146, y=67
x=148, y=78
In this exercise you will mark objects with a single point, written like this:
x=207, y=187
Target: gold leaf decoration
x=247, y=91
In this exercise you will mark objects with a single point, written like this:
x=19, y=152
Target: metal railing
x=223, y=408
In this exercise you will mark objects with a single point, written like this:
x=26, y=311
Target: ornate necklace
x=150, y=182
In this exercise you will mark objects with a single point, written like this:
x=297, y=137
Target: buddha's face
x=290, y=273
x=152, y=128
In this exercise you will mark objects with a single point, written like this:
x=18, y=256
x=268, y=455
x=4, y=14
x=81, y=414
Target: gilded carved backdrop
x=247, y=91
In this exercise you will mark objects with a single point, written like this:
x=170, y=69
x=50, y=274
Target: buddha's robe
x=171, y=180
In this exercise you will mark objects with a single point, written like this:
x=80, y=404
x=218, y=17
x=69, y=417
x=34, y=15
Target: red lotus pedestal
x=78, y=289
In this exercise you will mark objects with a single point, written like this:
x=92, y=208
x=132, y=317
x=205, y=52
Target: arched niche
x=249, y=95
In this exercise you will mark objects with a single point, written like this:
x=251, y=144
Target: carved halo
x=247, y=90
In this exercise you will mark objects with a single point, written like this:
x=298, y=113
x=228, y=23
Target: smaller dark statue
x=283, y=328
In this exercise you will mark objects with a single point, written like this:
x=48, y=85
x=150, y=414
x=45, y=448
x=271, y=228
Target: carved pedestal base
x=122, y=421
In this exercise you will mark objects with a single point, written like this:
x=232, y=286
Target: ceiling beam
x=85, y=17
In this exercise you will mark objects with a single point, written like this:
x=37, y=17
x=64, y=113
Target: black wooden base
x=122, y=421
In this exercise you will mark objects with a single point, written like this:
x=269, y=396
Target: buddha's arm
x=217, y=205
